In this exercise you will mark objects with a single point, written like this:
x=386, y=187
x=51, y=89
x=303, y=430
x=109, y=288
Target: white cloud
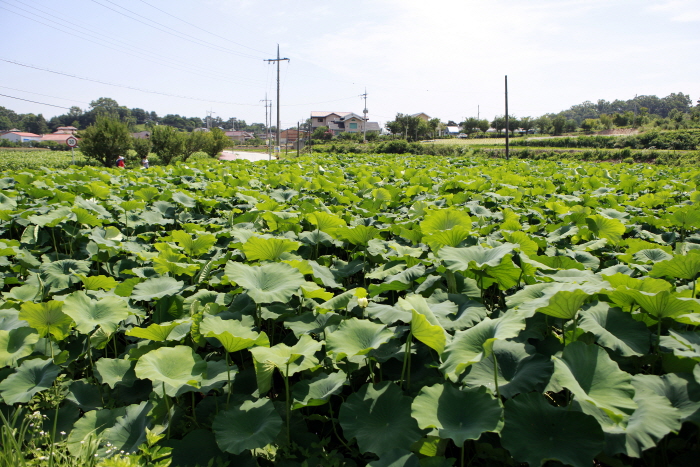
x=684, y=11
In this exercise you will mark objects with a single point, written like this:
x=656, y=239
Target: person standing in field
x=120, y=162
x=144, y=162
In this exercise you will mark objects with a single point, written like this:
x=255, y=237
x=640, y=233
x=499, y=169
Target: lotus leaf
x=173, y=369
x=252, y=425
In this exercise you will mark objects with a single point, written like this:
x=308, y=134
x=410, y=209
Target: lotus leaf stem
x=289, y=405
x=495, y=377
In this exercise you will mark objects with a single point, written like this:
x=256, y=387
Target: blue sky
x=444, y=58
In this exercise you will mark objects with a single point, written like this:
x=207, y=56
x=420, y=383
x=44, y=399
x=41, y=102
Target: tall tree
x=168, y=143
x=105, y=140
x=470, y=125
x=499, y=123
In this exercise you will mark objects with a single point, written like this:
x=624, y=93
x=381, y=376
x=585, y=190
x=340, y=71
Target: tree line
x=109, y=137
x=81, y=119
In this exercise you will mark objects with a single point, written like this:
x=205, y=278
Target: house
x=452, y=130
x=65, y=130
x=20, y=136
x=342, y=122
x=240, y=136
x=423, y=116
x=57, y=138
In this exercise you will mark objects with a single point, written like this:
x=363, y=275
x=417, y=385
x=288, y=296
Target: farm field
x=348, y=311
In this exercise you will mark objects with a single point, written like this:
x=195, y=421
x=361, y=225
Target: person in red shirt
x=120, y=162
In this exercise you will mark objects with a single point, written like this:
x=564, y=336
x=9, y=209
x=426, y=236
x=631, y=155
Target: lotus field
x=341, y=311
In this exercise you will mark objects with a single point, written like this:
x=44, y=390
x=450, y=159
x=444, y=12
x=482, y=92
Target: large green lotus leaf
x=682, y=343
x=252, y=425
x=562, y=300
x=218, y=374
x=591, y=376
x=113, y=371
x=623, y=284
x=378, y=416
x=562, y=232
x=47, y=318
x=441, y=238
x=288, y=360
x=425, y=326
x=92, y=424
x=158, y=332
x=87, y=313
x=653, y=419
x=156, y=287
x=445, y=219
x=687, y=217
x=605, y=227
x=519, y=370
x=31, y=377
x=680, y=267
x=474, y=257
x=178, y=368
x=16, y=344
x=682, y=391
x=129, y=430
x=339, y=301
x=356, y=337
x=528, y=294
x=98, y=282
x=664, y=304
x=358, y=235
x=397, y=458
x=59, y=275
x=472, y=345
x=268, y=249
x=399, y=281
x=558, y=262
x=197, y=448
x=183, y=199
x=651, y=256
x=317, y=391
x=457, y=414
x=523, y=241
x=234, y=335
x=193, y=246
x=536, y=432
x=324, y=221
x=615, y=329
x=271, y=282
x=312, y=323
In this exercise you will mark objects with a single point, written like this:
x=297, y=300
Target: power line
x=201, y=29
x=120, y=85
x=151, y=57
x=173, y=32
x=34, y=102
x=45, y=95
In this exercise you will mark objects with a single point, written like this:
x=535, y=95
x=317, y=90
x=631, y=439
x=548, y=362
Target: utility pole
x=267, y=127
x=478, y=114
x=278, y=60
x=507, y=139
x=209, y=114
x=364, y=121
x=298, y=139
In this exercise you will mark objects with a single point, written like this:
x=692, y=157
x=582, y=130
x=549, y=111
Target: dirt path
x=251, y=156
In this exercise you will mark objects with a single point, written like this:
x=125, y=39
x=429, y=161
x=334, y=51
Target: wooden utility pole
x=298, y=139
x=267, y=127
x=278, y=60
x=364, y=121
x=507, y=138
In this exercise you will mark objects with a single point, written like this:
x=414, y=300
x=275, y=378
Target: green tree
x=408, y=126
x=322, y=133
x=543, y=124
x=217, y=141
x=558, y=124
x=470, y=125
x=35, y=124
x=590, y=124
x=513, y=124
x=193, y=142
x=168, y=143
x=606, y=121
x=499, y=123
x=484, y=125
x=527, y=124
x=105, y=140
x=142, y=146
x=433, y=125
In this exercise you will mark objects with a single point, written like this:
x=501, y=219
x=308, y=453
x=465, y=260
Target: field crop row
x=364, y=310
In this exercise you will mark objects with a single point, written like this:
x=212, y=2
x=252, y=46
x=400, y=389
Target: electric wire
x=44, y=95
x=174, y=32
x=122, y=85
x=35, y=102
x=94, y=36
x=201, y=29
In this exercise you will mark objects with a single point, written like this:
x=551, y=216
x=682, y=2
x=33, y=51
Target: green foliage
x=105, y=140
x=364, y=310
x=168, y=143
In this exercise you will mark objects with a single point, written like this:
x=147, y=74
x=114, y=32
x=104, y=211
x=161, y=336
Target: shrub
x=105, y=140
